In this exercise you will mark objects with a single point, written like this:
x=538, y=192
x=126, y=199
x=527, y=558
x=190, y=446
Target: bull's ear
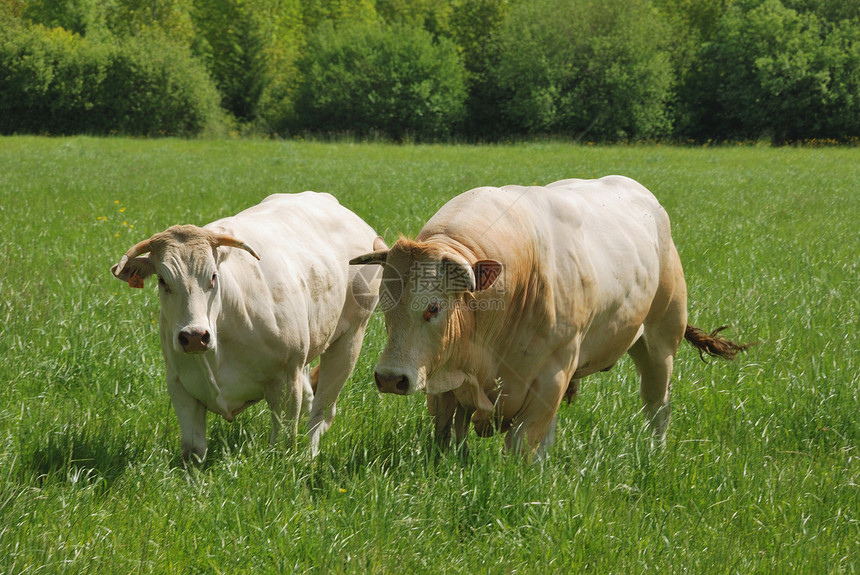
x=377, y=257
x=476, y=277
x=459, y=274
x=134, y=271
x=486, y=273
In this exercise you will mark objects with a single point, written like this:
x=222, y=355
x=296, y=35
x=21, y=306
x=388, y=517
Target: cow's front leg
x=284, y=397
x=192, y=421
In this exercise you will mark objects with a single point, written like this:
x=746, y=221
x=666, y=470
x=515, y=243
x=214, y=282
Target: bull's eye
x=212, y=281
x=163, y=284
x=431, y=311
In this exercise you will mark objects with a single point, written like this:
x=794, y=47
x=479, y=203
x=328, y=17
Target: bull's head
x=427, y=295
x=185, y=259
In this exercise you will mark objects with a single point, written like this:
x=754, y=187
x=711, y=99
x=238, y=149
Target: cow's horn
x=139, y=248
x=223, y=240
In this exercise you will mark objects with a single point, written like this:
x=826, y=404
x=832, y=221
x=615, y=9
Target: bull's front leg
x=532, y=431
x=448, y=414
x=192, y=420
x=462, y=419
x=441, y=408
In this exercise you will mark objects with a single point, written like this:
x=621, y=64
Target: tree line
x=475, y=70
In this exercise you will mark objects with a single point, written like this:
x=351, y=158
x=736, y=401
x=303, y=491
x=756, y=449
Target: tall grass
x=761, y=469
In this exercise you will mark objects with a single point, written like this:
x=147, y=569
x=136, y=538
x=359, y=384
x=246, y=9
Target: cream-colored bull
x=239, y=324
x=508, y=296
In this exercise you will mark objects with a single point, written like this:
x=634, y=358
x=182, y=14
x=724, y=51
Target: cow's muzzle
x=194, y=341
x=392, y=383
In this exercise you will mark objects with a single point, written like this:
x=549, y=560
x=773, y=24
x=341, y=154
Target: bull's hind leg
x=654, y=364
x=654, y=355
x=663, y=330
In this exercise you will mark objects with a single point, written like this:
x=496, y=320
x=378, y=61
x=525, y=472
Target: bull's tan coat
x=589, y=273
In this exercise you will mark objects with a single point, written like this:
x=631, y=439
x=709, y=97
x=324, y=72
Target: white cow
x=508, y=296
x=239, y=324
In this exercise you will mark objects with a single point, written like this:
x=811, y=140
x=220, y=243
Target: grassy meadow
x=760, y=472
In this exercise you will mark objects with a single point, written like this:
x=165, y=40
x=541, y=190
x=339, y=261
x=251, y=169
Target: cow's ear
x=377, y=257
x=486, y=273
x=134, y=271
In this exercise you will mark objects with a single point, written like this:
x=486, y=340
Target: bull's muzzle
x=194, y=341
x=392, y=383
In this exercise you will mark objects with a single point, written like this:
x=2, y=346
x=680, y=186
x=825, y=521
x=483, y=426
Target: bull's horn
x=377, y=257
x=136, y=250
x=223, y=240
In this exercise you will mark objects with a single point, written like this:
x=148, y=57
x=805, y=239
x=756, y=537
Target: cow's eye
x=212, y=281
x=431, y=311
x=163, y=284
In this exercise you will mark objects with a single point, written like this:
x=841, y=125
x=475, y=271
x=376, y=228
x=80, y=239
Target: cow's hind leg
x=336, y=364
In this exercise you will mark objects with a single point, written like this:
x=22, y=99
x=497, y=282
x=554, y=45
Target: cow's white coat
x=264, y=320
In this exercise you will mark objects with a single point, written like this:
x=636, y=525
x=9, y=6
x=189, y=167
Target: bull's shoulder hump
x=614, y=183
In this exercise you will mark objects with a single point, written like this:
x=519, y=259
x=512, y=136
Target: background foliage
x=371, y=77
x=782, y=70
x=58, y=82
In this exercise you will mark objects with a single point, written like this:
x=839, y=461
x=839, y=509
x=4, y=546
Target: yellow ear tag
x=135, y=281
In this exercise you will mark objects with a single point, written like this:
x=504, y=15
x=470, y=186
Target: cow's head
x=428, y=296
x=185, y=259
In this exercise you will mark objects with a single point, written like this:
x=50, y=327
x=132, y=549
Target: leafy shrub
x=771, y=71
x=376, y=78
x=54, y=81
x=474, y=26
x=842, y=107
x=155, y=87
x=250, y=49
x=586, y=68
x=76, y=16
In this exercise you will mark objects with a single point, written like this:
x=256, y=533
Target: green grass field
x=761, y=469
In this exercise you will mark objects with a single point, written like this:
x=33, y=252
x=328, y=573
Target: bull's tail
x=713, y=344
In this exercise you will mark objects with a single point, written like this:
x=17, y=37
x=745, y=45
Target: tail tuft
x=713, y=344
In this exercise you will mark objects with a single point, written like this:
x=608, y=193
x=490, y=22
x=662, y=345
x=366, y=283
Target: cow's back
x=305, y=242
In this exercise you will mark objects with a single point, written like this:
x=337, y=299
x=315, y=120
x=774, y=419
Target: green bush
x=586, y=68
x=155, y=87
x=393, y=80
x=842, y=106
x=77, y=16
x=44, y=79
x=474, y=26
x=53, y=81
x=777, y=73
